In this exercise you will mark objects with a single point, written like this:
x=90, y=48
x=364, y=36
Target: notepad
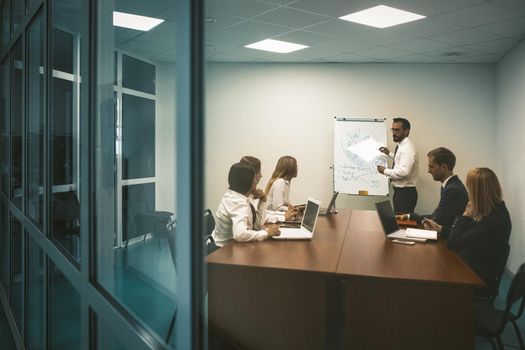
x=418, y=233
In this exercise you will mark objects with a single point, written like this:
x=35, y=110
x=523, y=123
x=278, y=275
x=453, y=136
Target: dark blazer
x=481, y=244
x=454, y=198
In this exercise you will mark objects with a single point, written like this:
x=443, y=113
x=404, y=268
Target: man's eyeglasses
x=395, y=129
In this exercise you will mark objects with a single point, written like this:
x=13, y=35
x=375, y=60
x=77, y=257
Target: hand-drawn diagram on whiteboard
x=356, y=156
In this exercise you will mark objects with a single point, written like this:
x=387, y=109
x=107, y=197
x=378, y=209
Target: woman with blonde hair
x=278, y=188
x=482, y=233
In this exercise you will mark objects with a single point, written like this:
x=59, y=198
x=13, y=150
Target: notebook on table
x=306, y=231
x=331, y=206
x=392, y=230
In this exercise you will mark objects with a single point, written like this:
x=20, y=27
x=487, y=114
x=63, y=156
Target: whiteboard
x=356, y=156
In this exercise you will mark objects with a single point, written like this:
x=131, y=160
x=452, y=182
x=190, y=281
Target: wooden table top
x=352, y=243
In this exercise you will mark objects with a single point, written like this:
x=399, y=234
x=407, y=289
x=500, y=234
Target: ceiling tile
x=239, y=8
x=218, y=21
x=467, y=53
x=258, y=29
x=421, y=45
x=417, y=59
x=383, y=37
x=291, y=18
x=149, y=8
x=224, y=40
x=334, y=8
x=167, y=56
x=429, y=7
x=305, y=38
x=511, y=29
x=347, y=46
x=348, y=57
x=426, y=27
x=383, y=52
x=464, y=37
x=338, y=28
x=319, y=52
x=479, y=15
x=488, y=58
x=500, y=46
x=518, y=5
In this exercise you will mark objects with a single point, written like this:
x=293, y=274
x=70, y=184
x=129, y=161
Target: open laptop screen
x=310, y=215
x=387, y=217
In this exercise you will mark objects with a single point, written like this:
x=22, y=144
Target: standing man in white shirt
x=403, y=174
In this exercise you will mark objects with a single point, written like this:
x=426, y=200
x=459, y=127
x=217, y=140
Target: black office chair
x=488, y=295
x=490, y=322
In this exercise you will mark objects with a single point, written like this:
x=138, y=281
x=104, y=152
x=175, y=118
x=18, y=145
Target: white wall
x=270, y=110
x=511, y=146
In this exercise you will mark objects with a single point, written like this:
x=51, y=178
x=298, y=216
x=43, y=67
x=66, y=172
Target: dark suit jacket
x=454, y=198
x=481, y=244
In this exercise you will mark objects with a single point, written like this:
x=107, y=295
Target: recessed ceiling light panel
x=382, y=16
x=127, y=20
x=276, y=46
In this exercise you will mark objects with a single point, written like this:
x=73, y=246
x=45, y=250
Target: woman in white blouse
x=278, y=188
x=234, y=218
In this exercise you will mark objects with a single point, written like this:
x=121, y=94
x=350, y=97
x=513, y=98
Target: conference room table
x=348, y=288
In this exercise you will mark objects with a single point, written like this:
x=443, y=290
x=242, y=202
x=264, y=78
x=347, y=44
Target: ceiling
x=455, y=31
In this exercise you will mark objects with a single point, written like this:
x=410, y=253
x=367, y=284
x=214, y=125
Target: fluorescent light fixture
x=127, y=20
x=382, y=16
x=276, y=46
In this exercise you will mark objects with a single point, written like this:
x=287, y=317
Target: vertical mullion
x=189, y=150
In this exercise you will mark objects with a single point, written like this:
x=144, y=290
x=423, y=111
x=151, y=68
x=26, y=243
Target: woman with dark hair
x=258, y=197
x=278, y=188
x=235, y=217
x=481, y=235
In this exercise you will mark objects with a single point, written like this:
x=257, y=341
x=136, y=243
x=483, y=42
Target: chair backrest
x=516, y=291
x=66, y=209
x=209, y=223
x=501, y=269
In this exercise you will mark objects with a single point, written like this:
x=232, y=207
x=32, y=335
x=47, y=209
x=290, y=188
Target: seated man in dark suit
x=454, y=196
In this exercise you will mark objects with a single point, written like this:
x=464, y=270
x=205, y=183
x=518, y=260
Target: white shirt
x=446, y=181
x=233, y=220
x=279, y=195
x=404, y=173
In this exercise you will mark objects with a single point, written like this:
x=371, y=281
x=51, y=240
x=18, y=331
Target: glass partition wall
x=101, y=135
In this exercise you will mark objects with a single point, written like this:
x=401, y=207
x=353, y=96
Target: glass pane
x=5, y=261
x=107, y=340
x=17, y=277
x=64, y=312
x=35, y=299
x=61, y=123
x=6, y=22
x=138, y=137
x=17, y=164
x=18, y=11
x=67, y=18
x=4, y=124
x=138, y=75
x=35, y=121
x=135, y=165
x=137, y=201
x=62, y=50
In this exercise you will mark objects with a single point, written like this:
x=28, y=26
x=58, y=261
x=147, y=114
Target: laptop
x=306, y=231
x=331, y=207
x=392, y=230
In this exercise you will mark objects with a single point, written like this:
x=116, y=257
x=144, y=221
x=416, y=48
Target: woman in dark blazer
x=481, y=234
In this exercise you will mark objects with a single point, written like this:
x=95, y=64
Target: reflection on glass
x=35, y=121
x=106, y=339
x=138, y=137
x=4, y=246
x=17, y=13
x=4, y=125
x=64, y=312
x=135, y=167
x=6, y=23
x=35, y=300
x=63, y=123
x=17, y=165
x=138, y=75
x=17, y=276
